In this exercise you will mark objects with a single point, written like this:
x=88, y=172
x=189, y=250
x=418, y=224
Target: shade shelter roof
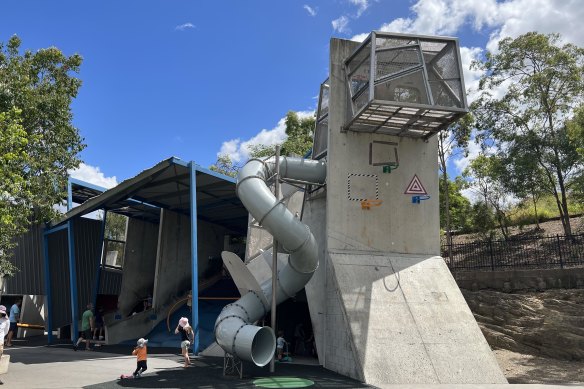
x=166, y=185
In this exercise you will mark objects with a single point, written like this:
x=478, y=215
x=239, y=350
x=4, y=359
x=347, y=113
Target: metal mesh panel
x=360, y=77
x=393, y=62
x=409, y=88
x=360, y=57
x=385, y=42
x=320, y=138
x=323, y=105
x=361, y=101
x=418, y=85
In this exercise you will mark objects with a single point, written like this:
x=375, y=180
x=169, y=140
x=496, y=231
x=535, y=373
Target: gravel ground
x=529, y=369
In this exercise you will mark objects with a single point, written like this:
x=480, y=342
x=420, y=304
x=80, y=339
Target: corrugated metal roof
x=167, y=185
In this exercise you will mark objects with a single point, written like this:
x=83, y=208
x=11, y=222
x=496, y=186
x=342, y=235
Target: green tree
x=521, y=173
x=460, y=207
x=299, y=133
x=485, y=180
x=451, y=143
x=225, y=165
x=115, y=226
x=39, y=141
x=529, y=88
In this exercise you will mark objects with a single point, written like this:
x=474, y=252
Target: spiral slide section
x=234, y=329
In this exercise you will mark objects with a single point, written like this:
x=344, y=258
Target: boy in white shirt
x=280, y=345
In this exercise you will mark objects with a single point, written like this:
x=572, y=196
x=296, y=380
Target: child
x=186, y=335
x=141, y=352
x=280, y=345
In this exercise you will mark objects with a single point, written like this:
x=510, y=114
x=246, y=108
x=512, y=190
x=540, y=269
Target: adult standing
x=4, y=328
x=87, y=326
x=14, y=319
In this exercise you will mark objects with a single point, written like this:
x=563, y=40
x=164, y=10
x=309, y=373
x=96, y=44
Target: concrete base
x=408, y=322
x=4, y=362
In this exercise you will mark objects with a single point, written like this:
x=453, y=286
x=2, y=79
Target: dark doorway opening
x=293, y=318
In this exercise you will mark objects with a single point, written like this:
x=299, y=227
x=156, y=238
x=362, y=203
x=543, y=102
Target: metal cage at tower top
x=405, y=85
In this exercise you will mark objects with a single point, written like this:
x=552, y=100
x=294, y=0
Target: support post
x=73, y=282
x=48, y=301
x=275, y=257
x=194, y=258
x=99, y=261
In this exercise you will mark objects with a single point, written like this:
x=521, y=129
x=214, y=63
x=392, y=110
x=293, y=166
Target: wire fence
x=548, y=252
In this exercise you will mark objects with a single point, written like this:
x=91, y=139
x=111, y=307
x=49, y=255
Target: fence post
x=560, y=251
x=491, y=252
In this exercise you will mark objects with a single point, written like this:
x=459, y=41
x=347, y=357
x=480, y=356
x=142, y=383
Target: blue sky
x=191, y=79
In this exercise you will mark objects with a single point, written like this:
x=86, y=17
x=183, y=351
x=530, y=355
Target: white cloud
x=93, y=175
x=502, y=19
x=362, y=5
x=238, y=150
x=182, y=27
x=471, y=76
x=341, y=25
x=311, y=11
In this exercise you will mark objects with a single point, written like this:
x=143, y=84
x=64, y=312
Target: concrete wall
x=211, y=241
x=139, y=264
x=173, y=263
x=397, y=225
x=521, y=280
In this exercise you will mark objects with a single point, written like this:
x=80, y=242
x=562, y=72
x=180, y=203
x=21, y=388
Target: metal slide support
x=275, y=256
x=234, y=329
x=194, y=258
x=73, y=282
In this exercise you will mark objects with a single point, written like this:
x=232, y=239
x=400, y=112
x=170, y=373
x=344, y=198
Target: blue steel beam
x=99, y=257
x=194, y=257
x=73, y=282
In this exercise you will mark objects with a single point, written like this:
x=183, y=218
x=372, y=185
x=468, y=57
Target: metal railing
x=548, y=252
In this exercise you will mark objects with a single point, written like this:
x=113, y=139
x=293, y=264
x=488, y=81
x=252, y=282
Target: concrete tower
x=384, y=306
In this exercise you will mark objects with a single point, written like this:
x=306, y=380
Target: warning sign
x=415, y=187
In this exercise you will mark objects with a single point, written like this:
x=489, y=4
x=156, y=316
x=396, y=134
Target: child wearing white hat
x=141, y=353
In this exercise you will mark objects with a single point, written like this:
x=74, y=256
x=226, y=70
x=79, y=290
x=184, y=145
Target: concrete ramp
x=408, y=322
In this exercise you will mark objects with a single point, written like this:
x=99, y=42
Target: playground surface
x=35, y=365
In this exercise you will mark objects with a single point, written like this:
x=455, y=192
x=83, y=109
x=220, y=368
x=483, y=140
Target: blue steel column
x=100, y=256
x=194, y=257
x=73, y=281
x=48, y=302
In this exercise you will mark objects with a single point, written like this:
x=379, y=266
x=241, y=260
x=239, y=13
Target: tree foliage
x=299, y=132
x=460, y=207
x=39, y=142
x=530, y=87
x=451, y=143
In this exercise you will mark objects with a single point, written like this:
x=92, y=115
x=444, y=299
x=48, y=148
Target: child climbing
x=141, y=353
x=280, y=342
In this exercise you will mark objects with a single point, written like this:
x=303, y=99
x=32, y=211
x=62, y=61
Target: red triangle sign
x=415, y=187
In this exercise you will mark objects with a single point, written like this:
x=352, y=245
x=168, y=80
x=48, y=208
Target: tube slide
x=234, y=329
